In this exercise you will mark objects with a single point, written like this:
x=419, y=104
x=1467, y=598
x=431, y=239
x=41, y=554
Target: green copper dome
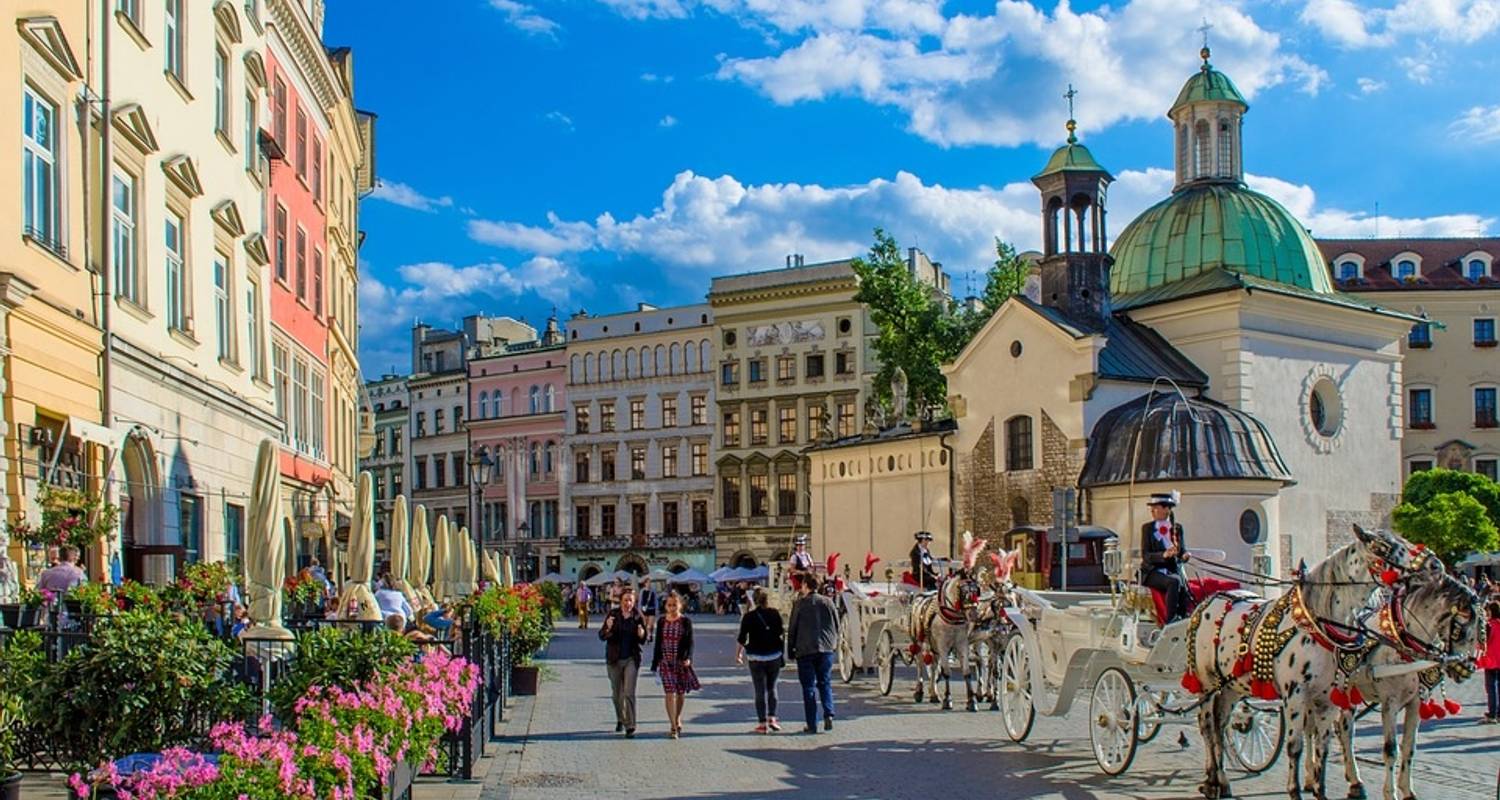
x=1209, y=85
x=1206, y=226
x=1072, y=157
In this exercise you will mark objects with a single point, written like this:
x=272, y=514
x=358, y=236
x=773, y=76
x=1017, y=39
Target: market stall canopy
x=553, y=577
x=690, y=576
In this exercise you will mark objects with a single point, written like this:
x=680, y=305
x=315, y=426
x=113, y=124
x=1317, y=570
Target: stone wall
x=991, y=499
x=1340, y=530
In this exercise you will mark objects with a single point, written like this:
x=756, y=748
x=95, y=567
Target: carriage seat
x=1198, y=589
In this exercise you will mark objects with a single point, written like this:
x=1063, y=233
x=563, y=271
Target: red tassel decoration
x=1356, y=697
x=1191, y=684
x=1243, y=665
x=927, y=658
x=913, y=648
x=1437, y=710
x=1389, y=577
x=1424, y=710
x=1452, y=707
x=1339, y=697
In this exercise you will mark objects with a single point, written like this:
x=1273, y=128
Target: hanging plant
x=69, y=517
x=206, y=582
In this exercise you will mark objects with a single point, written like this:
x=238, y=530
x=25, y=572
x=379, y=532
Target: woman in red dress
x=672, y=659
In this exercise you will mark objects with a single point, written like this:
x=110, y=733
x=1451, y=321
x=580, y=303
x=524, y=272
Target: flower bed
x=518, y=612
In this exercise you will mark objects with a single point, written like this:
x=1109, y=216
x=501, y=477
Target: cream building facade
x=387, y=458
x=438, y=391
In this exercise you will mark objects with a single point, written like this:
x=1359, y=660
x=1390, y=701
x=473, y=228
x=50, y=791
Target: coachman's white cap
x=1169, y=499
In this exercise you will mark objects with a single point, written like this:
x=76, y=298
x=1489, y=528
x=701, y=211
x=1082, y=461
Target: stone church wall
x=992, y=501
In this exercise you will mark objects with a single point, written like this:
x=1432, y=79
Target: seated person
x=800, y=565
x=1163, y=552
x=923, y=567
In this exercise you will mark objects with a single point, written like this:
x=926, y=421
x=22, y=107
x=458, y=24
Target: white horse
x=1290, y=648
x=940, y=624
x=992, y=628
x=1432, y=619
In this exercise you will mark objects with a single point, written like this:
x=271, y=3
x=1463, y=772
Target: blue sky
x=594, y=154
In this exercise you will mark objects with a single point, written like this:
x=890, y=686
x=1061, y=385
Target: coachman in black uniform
x=1163, y=552
x=923, y=568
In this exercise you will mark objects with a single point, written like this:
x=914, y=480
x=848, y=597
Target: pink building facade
x=516, y=423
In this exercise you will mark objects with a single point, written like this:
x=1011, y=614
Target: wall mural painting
x=809, y=330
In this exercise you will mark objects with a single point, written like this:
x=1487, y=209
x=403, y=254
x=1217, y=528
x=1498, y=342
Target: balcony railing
x=682, y=541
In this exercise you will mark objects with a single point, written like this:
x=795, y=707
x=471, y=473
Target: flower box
x=524, y=680
x=16, y=616
x=10, y=788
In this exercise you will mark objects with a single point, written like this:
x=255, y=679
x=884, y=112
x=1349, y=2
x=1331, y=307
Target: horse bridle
x=968, y=597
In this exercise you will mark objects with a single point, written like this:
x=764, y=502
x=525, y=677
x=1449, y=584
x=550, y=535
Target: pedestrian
x=762, y=642
x=623, y=632
x=813, y=635
x=1489, y=660
x=649, y=607
x=64, y=576
x=672, y=660
x=583, y=598
x=392, y=602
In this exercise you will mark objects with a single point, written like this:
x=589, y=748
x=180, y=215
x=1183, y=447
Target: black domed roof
x=1181, y=439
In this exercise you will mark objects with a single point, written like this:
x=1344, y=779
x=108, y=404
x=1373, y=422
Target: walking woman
x=762, y=641
x=623, y=632
x=672, y=659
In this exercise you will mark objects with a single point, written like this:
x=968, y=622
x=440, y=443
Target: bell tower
x=1207, y=123
x=1075, y=240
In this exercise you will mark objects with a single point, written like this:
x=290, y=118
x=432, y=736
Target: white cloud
x=1370, y=86
x=1343, y=22
x=560, y=118
x=652, y=77
x=1354, y=24
x=1478, y=124
x=525, y=18
x=668, y=121
x=408, y=197
x=710, y=226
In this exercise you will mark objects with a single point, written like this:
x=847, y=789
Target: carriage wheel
x=1112, y=723
x=846, y=661
x=1255, y=734
x=885, y=662
x=1148, y=715
x=1014, y=686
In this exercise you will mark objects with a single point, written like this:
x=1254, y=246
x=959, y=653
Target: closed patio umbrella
x=489, y=569
x=465, y=563
x=400, y=551
x=420, y=568
x=357, y=601
x=265, y=547
x=442, y=568
x=507, y=571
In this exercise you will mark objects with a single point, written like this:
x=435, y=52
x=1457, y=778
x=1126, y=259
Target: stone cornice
x=305, y=48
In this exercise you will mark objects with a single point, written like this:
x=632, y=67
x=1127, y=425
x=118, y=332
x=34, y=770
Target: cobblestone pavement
x=881, y=747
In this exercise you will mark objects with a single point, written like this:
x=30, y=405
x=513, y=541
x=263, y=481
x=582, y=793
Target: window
x=177, y=298
x=458, y=417
x=699, y=410
x=550, y=397
x=759, y=432
x=607, y=465
x=581, y=418
x=786, y=424
x=815, y=414
x=1018, y=444
x=223, y=333
x=1476, y=269
x=437, y=421
x=301, y=156
x=669, y=461
x=440, y=472
x=1406, y=269
x=637, y=414
x=669, y=412
x=317, y=281
x=534, y=399
x=606, y=416
x=1484, y=332
x=317, y=170
x=1486, y=467
x=122, y=213
x=843, y=362
x=700, y=516
x=234, y=531
x=581, y=467
x=39, y=167
x=637, y=463
x=301, y=274
x=1348, y=270
x=172, y=48
x=421, y=423
x=669, y=517
x=1201, y=149
x=190, y=526
x=252, y=129
x=278, y=111
x=638, y=524
x=786, y=494
x=460, y=476
x=419, y=478
x=1420, y=337
x=730, y=496
x=700, y=459
x=1419, y=411
x=731, y=429
x=845, y=420
x=252, y=328
x=757, y=370
x=1419, y=465
x=282, y=384
x=729, y=373
x=280, y=244
x=814, y=368
x=607, y=520
x=786, y=368
x=221, y=91
x=484, y=405
x=760, y=495
x=1484, y=407
x=581, y=521
x=315, y=437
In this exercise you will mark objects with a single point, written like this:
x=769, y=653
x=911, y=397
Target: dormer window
x=1477, y=265
x=1348, y=271
x=1349, y=267
x=1476, y=270
x=1406, y=270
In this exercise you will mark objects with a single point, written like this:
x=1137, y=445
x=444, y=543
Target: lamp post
x=481, y=472
x=523, y=549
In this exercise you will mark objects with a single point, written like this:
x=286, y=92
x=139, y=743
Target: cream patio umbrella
x=265, y=547
x=507, y=571
x=489, y=568
x=465, y=565
x=442, y=568
x=400, y=553
x=420, y=567
x=356, y=601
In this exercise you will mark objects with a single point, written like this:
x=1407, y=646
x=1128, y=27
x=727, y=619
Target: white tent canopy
x=554, y=577
x=689, y=576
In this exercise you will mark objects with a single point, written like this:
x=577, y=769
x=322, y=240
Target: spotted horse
x=939, y=624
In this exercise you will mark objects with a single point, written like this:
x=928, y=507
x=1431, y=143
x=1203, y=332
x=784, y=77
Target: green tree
x=1452, y=512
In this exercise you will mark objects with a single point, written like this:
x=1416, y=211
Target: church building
x=1206, y=351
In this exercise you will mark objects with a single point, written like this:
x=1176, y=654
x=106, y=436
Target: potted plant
x=132, y=594
x=519, y=613
x=27, y=612
x=303, y=593
x=10, y=721
x=69, y=517
x=90, y=598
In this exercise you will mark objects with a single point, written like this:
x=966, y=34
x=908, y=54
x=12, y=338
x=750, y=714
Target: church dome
x=1209, y=85
x=1071, y=157
x=1179, y=439
x=1216, y=225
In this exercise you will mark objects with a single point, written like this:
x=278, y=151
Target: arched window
x=1348, y=271
x=551, y=399
x=574, y=373
x=674, y=356
x=1406, y=268
x=547, y=455
x=1018, y=445
x=617, y=366
x=1477, y=269
x=590, y=368
x=1226, y=149
x=1201, y=149
x=536, y=459
x=661, y=361
x=1182, y=152
x=692, y=356
x=484, y=405
x=632, y=367
x=705, y=356
x=536, y=399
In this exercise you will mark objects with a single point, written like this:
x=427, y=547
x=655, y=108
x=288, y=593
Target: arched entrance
x=744, y=559
x=140, y=505
x=630, y=562
x=678, y=567
x=589, y=571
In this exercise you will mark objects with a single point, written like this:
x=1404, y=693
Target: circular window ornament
x=1015, y=349
x=1322, y=409
x=1250, y=526
x=728, y=338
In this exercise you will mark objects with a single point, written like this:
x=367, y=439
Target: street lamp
x=481, y=472
x=523, y=549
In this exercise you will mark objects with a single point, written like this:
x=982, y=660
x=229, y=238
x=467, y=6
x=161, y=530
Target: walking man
x=581, y=601
x=623, y=633
x=813, y=635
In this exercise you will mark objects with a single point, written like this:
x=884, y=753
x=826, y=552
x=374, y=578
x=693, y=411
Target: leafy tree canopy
x=1452, y=512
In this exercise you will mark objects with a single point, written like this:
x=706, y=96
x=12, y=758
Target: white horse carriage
x=1111, y=647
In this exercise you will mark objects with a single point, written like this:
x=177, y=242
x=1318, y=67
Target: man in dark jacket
x=1163, y=552
x=623, y=632
x=923, y=568
x=813, y=637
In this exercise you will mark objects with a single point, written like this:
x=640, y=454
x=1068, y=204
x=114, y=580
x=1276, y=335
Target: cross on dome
x=1204, y=29
x=1072, y=123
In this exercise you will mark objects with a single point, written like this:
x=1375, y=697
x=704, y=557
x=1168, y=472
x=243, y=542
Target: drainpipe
x=952, y=495
x=106, y=270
